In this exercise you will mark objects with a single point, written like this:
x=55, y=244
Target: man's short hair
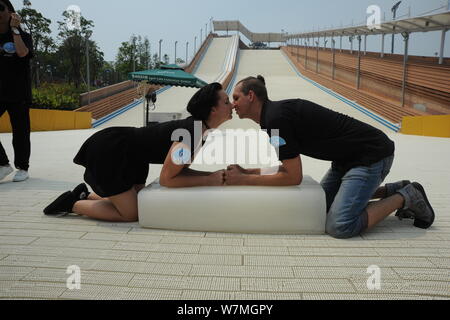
x=257, y=85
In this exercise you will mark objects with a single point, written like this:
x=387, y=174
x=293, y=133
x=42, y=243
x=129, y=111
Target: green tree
x=39, y=28
x=73, y=45
x=125, y=60
x=96, y=62
x=134, y=55
x=156, y=62
x=144, y=54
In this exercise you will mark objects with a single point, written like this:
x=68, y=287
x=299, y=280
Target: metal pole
x=187, y=54
x=160, y=41
x=358, y=75
x=195, y=45
x=405, y=66
x=351, y=44
x=88, y=71
x=176, y=42
x=333, y=75
x=201, y=35
x=134, y=57
x=441, y=52
x=382, y=45
x=317, y=57
x=298, y=49
x=149, y=59
x=341, y=44
x=394, y=10
x=306, y=54
x=365, y=44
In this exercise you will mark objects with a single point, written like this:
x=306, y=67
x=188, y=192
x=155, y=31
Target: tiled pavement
x=124, y=261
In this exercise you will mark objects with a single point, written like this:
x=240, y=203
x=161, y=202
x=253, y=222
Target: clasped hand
x=233, y=176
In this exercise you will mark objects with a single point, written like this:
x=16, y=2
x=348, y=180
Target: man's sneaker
x=21, y=175
x=391, y=189
x=417, y=202
x=5, y=171
x=62, y=205
x=81, y=192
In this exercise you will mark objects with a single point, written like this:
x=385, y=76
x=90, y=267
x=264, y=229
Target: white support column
x=441, y=52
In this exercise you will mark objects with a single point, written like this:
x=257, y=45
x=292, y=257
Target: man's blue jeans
x=348, y=195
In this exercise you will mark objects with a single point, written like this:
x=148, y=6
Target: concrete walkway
x=123, y=261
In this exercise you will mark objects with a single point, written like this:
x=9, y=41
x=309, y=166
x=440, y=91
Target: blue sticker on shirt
x=9, y=47
x=277, y=141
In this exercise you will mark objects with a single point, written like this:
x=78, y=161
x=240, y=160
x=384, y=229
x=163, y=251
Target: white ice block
x=268, y=210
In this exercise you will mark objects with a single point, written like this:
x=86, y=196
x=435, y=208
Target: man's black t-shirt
x=312, y=130
x=15, y=74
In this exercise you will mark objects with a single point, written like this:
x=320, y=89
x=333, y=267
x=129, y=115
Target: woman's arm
x=289, y=174
x=21, y=48
x=177, y=175
x=194, y=173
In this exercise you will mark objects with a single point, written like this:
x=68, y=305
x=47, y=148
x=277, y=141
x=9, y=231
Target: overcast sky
x=181, y=20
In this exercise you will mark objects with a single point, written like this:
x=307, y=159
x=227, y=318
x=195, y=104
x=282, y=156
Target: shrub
x=56, y=96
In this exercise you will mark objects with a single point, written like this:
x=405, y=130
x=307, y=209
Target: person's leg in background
x=5, y=167
x=20, y=122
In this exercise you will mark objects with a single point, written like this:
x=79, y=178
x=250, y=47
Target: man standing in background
x=16, y=50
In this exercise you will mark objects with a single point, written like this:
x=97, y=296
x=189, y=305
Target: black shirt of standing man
x=15, y=73
x=16, y=50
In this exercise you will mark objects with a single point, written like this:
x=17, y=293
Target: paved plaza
x=124, y=261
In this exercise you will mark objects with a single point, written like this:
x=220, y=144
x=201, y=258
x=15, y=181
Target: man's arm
x=289, y=174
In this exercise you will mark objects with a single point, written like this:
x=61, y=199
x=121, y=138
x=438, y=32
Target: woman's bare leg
x=94, y=196
x=120, y=208
x=139, y=187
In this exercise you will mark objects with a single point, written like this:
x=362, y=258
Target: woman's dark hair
x=203, y=100
x=9, y=5
x=257, y=85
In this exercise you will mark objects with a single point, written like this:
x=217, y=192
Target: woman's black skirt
x=112, y=161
